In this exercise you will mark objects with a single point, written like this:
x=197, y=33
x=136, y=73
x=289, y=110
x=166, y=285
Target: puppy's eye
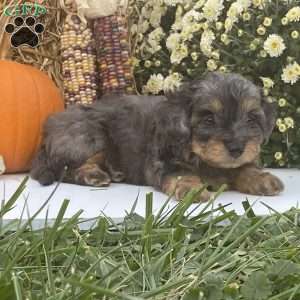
x=251, y=119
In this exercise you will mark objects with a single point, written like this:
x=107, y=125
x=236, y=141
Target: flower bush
x=178, y=39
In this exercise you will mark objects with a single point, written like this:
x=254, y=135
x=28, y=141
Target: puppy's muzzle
x=235, y=149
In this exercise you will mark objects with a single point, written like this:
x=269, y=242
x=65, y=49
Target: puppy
x=208, y=132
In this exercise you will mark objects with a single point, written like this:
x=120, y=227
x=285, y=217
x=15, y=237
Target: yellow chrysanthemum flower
x=274, y=45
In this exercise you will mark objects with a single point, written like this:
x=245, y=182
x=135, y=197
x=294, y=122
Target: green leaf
x=257, y=287
x=283, y=268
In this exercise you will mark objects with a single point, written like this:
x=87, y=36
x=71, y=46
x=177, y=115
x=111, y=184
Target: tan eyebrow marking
x=250, y=104
x=214, y=105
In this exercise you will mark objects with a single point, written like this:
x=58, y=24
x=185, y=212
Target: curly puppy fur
x=208, y=131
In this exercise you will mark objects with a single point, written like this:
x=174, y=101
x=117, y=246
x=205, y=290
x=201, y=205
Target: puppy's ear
x=182, y=95
x=270, y=110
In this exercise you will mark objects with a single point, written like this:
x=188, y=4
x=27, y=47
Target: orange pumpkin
x=27, y=98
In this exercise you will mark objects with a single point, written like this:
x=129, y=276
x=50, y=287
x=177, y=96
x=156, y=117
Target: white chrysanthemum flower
x=211, y=65
x=172, y=82
x=278, y=155
x=219, y=26
x=258, y=3
x=244, y=3
x=234, y=10
x=173, y=41
x=282, y=128
x=225, y=39
x=179, y=54
x=212, y=9
x=191, y=17
x=267, y=82
x=295, y=34
x=146, y=12
x=290, y=74
x=293, y=14
x=207, y=38
x=154, y=39
x=268, y=22
x=282, y=103
x=156, y=16
x=289, y=122
x=157, y=34
x=229, y=24
x=199, y=4
x=144, y=26
x=155, y=84
x=173, y=2
x=261, y=30
x=274, y=45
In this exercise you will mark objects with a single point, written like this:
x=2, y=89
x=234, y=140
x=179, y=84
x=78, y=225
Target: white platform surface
x=115, y=200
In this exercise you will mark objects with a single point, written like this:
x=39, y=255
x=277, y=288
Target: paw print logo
x=24, y=32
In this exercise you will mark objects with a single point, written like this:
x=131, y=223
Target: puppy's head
x=229, y=119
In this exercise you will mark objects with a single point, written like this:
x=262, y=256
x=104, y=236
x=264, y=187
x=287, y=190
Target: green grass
x=169, y=255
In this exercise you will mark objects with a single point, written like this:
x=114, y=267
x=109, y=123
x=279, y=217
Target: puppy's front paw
x=181, y=185
x=261, y=183
x=92, y=175
x=266, y=185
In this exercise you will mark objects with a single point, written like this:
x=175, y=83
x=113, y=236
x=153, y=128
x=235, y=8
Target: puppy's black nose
x=235, y=151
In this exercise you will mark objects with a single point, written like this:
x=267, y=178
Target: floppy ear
x=270, y=110
x=182, y=95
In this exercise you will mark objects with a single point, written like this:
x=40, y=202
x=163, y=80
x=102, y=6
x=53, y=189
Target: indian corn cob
x=113, y=55
x=79, y=62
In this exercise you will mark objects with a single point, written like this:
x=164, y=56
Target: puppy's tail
x=40, y=170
